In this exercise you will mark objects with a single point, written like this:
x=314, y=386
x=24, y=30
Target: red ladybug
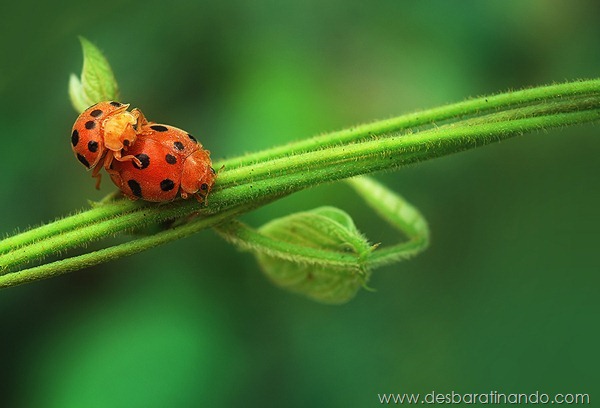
x=102, y=132
x=171, y=162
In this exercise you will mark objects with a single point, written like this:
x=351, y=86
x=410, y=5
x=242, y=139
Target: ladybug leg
x=117, y=156
x=108, y=164
x=201, y=198
x=139, y=117
x=98, y=176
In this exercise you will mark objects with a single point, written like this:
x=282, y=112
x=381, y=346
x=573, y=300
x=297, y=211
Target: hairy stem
x=255, y=179
x=464, y=109
x=104, y=255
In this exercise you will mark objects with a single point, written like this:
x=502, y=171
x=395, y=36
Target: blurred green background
x=505, y=299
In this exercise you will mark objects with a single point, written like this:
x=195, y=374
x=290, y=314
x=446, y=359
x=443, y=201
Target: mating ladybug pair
x=145, y=160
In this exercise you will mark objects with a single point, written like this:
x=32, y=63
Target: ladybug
x=102, y=132
x=171, y=162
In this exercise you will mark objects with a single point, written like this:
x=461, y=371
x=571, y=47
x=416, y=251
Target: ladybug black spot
x=90, y=124
x=171, y=159
x=192, y=137
x=126, y=142
x=95, y=113
x=93, y=146
x=83, y=160
x=135, y=187
x=75, y=137
x=178, y=145
x=204, y=187
x=159, y=128
x=144, y=158
x=116, y=104
x=167, y=185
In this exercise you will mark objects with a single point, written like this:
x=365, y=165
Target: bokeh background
x=505, y=299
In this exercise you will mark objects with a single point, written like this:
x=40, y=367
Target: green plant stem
x=301, y=171
x=66, y=224
x=476, y=106
x=104, y=255
x=335, y=163
x=398, y=213
x=249, y=181
x=259, y=171
x=254, y=172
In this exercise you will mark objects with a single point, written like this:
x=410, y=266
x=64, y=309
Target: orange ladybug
x=102, y=132
x=169, y=161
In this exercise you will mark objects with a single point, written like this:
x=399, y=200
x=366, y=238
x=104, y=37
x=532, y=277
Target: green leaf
x=78, y=99
x=321, y=253
x=318, y=253
x=97, y=81
x=325, y=229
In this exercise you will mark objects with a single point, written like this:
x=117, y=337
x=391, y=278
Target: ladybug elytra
x=171, y=162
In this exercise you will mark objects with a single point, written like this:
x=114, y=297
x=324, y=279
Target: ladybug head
x=119, y=131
